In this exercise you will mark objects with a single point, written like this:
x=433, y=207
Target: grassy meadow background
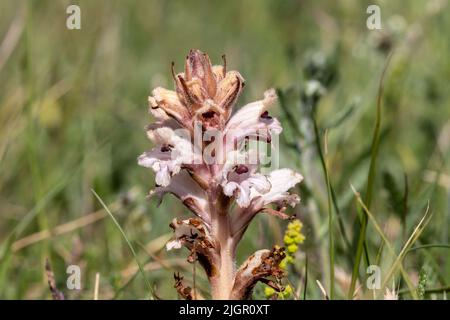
x=73, y=106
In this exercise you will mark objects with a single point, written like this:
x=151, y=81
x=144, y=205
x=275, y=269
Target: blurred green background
x=73, y=106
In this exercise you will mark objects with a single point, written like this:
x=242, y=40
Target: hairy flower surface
x=204, y=157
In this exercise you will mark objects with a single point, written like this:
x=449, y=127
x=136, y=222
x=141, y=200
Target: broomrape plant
x=211, y=160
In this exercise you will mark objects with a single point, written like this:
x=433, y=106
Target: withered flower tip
x=202, y=92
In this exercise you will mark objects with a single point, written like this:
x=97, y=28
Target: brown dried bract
x=259, y=266
x=192, y=234
x=183, y=290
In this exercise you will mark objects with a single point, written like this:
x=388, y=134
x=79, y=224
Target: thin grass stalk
x=141, y=269
x=425, y=246
x=414, y=236
x=361, y=244
x=329, y=205
x=305, y=287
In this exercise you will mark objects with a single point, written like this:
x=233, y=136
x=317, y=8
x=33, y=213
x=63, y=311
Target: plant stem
x=222, y=283
x=222, y=289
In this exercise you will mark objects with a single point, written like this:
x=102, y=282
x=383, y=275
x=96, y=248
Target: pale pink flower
x=202, y=102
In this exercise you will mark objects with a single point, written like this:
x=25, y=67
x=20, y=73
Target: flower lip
x=241, y=169
x=265, y=115
x=166, y=148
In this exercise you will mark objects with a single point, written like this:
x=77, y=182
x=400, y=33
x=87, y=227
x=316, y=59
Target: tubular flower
x=202, y=155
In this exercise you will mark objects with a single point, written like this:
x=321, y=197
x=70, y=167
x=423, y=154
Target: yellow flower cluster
x=285, y=294
x=292, y=238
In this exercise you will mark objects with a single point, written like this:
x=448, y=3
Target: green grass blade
x=141, y=269
x=5, y=248
x=361, y=244
x=399, y=258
